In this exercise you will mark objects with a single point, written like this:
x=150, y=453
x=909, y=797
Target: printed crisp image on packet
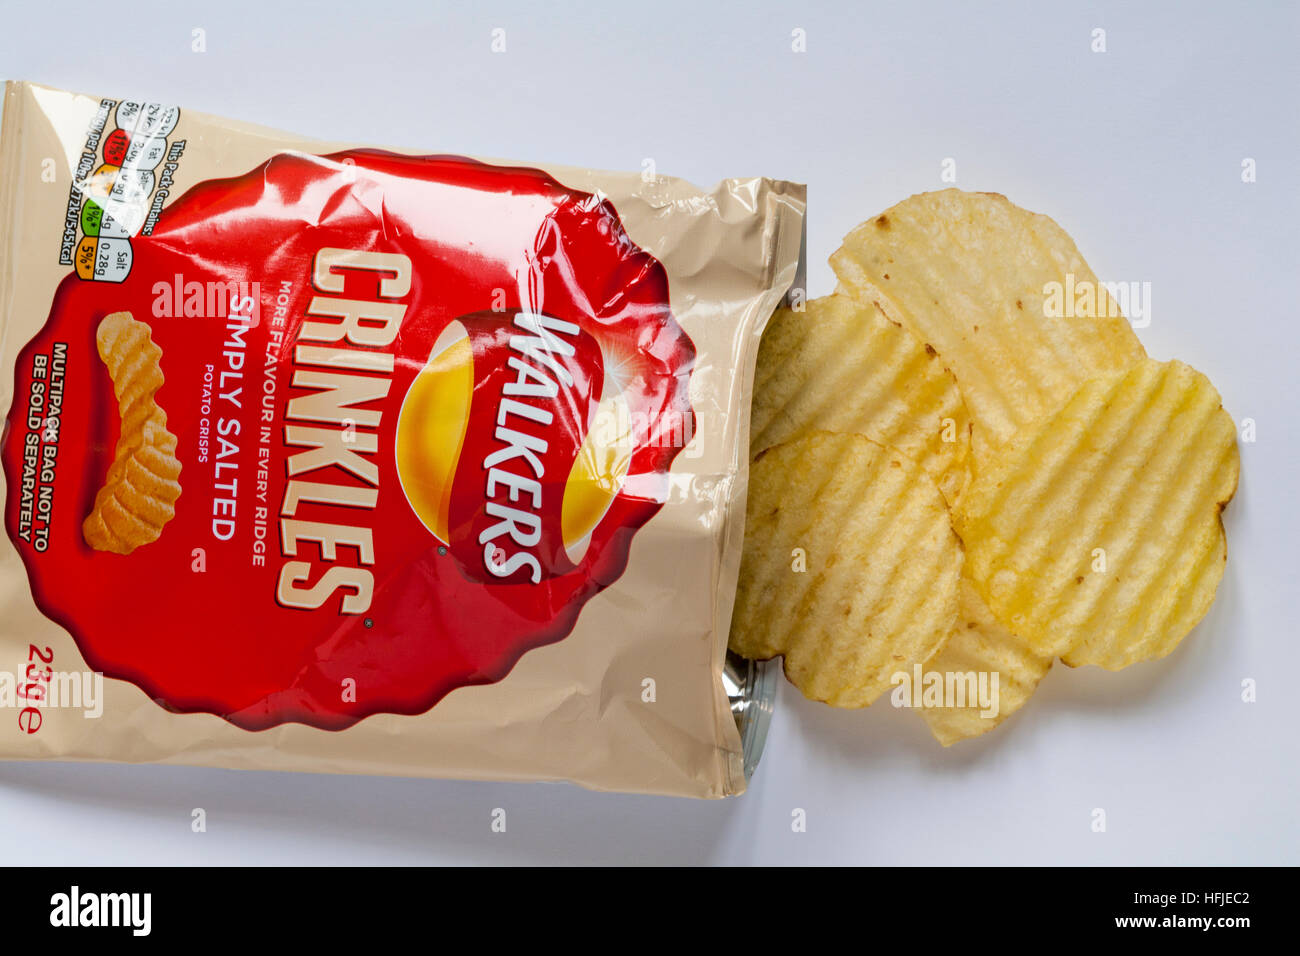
x=344, y=459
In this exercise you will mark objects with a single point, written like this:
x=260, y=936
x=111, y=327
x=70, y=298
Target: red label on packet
x=116, y=145
x=355, y=431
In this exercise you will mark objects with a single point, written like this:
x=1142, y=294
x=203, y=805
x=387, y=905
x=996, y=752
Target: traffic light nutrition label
x=123, y=177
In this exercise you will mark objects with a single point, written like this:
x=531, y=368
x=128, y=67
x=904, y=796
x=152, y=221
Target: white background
x=1136, y=151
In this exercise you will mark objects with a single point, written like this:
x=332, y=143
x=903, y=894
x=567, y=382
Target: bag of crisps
x=342, y=459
